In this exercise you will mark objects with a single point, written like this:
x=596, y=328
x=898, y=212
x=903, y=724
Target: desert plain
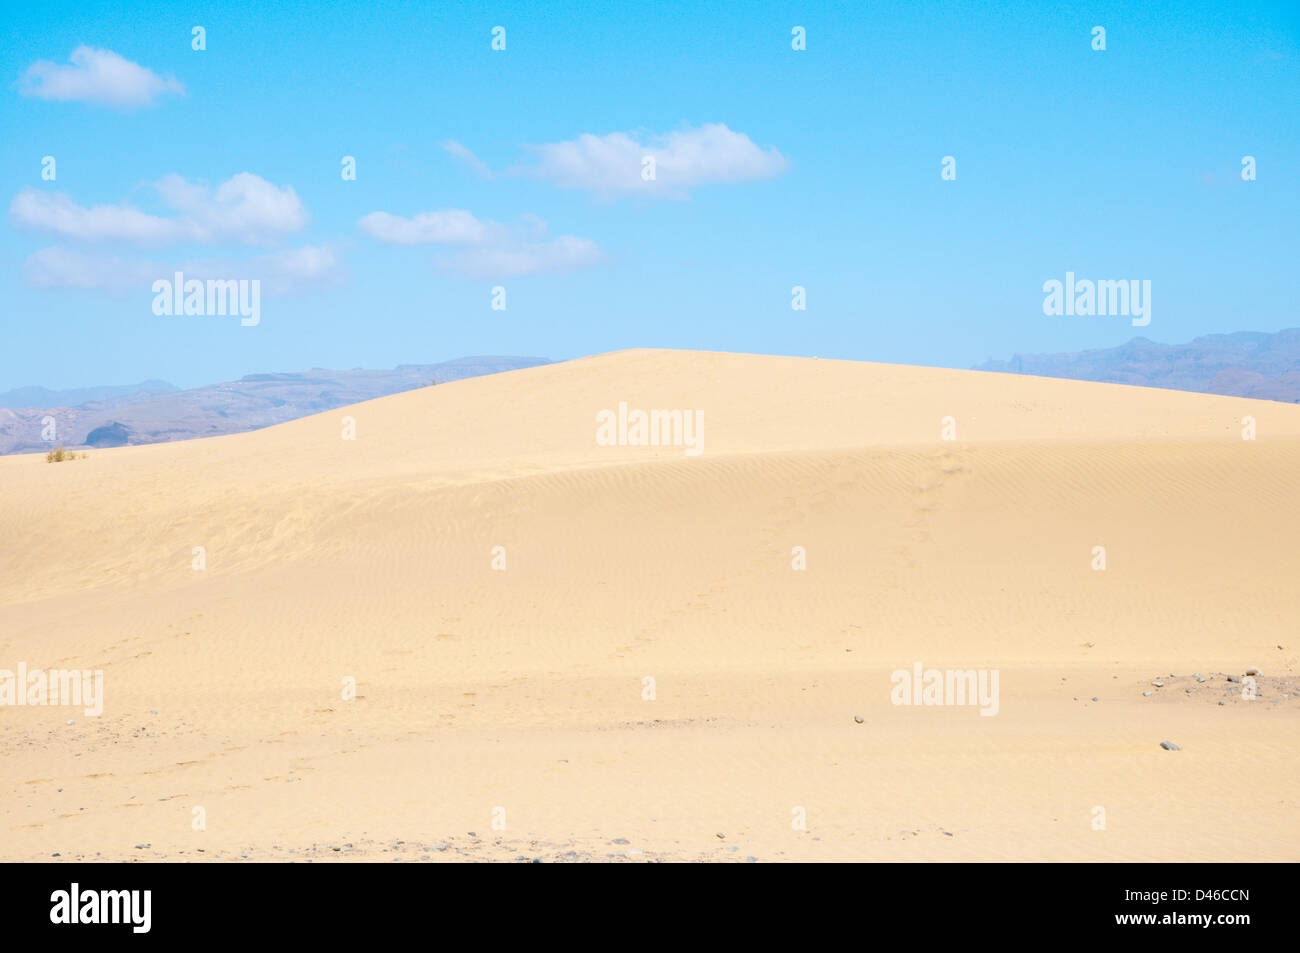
x=569, y=651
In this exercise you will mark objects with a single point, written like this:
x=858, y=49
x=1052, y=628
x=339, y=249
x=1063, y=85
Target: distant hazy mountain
x=155, y=411
x=1244, y=364
x=44, y=397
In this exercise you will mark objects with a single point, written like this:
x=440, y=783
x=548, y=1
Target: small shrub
x=58, y=455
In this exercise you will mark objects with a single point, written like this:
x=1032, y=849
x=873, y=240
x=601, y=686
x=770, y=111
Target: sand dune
x=480, y=688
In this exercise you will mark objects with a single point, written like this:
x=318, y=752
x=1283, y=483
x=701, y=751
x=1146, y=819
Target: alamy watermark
x=1084, y=297
x=951, y=687
x=76, y=687
x=242, y=296
x=654, y=428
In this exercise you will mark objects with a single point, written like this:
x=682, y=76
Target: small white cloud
x=452, y=226
x=292, y=271
x=487, y=249
x=52, y=268
x=97, y=76
x=464, y=155
x=245, y=208
x=613, y=164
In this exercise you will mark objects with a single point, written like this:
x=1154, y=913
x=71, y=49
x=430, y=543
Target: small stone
x=1158, y=684
x=1250, y=671
x=621, y=840
x=1169, y=746
x=859, y=719
x=1094, y=697
x=1144, y=694
x=722, y=836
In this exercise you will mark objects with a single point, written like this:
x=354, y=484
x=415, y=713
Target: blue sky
x=776, y=168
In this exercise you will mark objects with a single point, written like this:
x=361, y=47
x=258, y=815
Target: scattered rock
x=1158, y=684
x=1146, y=693
x=1252, y=671
x=1169, y=746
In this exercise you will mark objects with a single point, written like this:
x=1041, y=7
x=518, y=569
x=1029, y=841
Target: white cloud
x=486, y=249
x=33, y=210
x=612, y=164
x=452, y=226
x=480, y=167
x=57, y=267
x=291, y=271
x=97, y=76
x=245, y=208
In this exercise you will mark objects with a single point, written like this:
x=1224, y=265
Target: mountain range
x=157, y=412
x=1243, y=364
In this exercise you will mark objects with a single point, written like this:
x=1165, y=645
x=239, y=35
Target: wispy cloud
x=245, y=208
x=615, y=164
x=464, y=155
x=97, y=76
x=485, y=249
